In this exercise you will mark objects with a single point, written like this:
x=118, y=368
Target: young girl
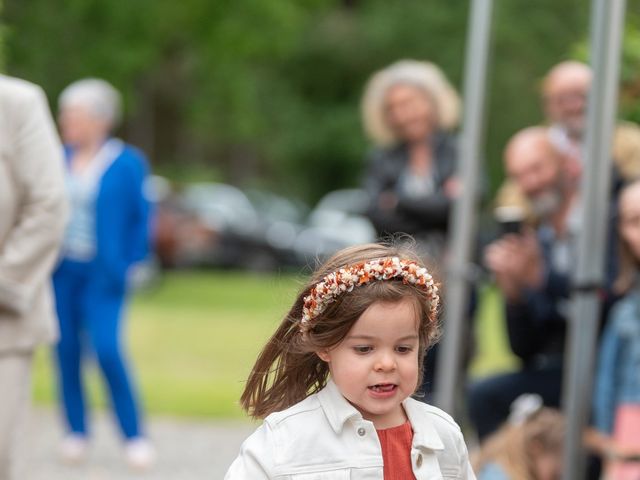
x=335, y=380
x=528, y=447
x=617, y=389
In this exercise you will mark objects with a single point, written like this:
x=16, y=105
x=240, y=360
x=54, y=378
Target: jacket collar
x=424, y=432
x=339, y=411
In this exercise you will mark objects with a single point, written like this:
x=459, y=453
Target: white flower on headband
x=346, y=279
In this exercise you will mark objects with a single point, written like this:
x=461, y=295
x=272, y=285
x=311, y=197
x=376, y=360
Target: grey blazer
x=33, y=213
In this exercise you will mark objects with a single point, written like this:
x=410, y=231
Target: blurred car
x=219, y=225
x=338, y=220
x=181, y=237
x=227, y=211
x=282, y=221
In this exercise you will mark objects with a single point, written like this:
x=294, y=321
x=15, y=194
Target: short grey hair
x=424, y=75
x=97, y=95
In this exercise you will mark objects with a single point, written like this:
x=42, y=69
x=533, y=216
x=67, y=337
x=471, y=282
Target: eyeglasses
x=566, y=97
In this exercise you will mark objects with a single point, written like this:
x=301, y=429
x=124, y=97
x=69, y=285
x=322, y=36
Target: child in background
x=334, y=382
x=528, y=447
x=617, y=389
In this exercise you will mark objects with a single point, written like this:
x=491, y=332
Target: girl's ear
x=324, y=355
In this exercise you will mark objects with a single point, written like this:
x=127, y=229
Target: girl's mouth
x=383, y=388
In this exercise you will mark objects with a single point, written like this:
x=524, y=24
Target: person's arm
x=255, y=460
x=533, y=316
x=466, y=472
x=557, y=285
x=142, y=216
x=121, y=219
x=526, y=327
x=29, y=252
x=607, y=379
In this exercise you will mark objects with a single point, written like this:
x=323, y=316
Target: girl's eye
x=404, y=349
x=362, y=349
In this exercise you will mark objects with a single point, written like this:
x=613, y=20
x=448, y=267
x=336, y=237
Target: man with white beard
x=564, y=96
x=565, y=89
x=539, y=171
x=532, y=269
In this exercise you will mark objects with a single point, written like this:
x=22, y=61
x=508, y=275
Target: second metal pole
x=464, y=225
x=607, y=25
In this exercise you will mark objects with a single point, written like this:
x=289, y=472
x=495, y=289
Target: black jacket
x=411, y=215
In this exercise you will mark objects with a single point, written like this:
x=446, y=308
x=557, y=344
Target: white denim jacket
x=325, y=438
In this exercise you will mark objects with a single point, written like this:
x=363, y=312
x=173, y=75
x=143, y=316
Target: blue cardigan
x=122, y=219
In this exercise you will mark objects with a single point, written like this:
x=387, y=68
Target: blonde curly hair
x=514, y=446
x=424, y=75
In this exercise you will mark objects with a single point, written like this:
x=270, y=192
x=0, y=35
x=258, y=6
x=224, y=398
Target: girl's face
x=376, y=365
x=630, y=219
x=409, y=113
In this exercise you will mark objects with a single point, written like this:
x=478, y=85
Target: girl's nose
x=385, y=362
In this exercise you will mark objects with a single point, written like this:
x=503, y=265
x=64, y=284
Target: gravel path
x=187, y=450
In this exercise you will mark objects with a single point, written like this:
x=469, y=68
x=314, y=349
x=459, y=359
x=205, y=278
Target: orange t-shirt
x=396, y=452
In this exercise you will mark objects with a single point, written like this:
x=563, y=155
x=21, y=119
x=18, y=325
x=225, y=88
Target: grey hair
x=424, y=75
x=99, y=96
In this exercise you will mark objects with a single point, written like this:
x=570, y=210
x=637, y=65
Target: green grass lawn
x=193, y=338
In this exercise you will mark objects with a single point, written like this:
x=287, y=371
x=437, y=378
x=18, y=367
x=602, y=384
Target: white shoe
x=140, y=453
x=73, y=448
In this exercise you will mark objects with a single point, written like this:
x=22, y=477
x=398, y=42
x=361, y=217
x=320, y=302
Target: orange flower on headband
x=344, y=280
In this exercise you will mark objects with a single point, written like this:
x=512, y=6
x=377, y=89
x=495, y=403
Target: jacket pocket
x=341, y=474
x=450, y=472
x=371, y=473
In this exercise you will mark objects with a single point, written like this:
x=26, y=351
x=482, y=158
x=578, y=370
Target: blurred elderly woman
x=409, y=110
x=107, y=234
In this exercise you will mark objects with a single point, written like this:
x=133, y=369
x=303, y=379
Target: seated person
x=532, y=270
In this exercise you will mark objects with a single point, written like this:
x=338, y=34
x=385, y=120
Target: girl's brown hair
x=628, y=264
x=288, y=369
x=514, y=447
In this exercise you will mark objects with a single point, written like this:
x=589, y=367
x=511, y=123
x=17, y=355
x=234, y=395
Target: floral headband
x=344, y=280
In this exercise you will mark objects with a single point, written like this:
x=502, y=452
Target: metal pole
x=607, y=26
x=464, y=216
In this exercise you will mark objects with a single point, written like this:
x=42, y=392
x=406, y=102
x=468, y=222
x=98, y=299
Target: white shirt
x=80, y=236
x=325, y=438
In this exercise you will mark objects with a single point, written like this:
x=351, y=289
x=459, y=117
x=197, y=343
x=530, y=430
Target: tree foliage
x=268, y=92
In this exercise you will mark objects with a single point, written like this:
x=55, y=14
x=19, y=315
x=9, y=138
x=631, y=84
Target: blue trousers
x=90, y=324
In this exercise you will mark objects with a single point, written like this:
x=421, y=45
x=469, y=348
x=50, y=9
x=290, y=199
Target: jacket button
x=361, y=431
x=419, y=461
